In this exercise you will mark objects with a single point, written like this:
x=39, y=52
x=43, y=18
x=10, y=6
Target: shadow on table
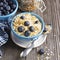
x=11, y=51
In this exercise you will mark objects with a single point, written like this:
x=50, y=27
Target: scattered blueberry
x=44, y=30
x=31, y=28
x=26, y=23
x=21, y=29
x=22, y=17
x=36, y=22
x=41, y=51
x=27, y=33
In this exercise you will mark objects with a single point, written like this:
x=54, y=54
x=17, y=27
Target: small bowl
x=32, y=37
x=6, y=17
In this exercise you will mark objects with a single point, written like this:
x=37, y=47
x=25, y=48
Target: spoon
x=27, y=50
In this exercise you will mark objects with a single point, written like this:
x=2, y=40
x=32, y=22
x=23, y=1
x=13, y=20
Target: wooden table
x=50, y=16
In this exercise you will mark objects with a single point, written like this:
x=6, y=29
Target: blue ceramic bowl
x=6, y=17
x=28, y=38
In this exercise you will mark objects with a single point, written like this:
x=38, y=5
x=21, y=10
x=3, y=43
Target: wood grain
x=50, y=16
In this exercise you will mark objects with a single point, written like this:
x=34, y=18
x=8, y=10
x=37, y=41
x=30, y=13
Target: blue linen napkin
x=3, y=33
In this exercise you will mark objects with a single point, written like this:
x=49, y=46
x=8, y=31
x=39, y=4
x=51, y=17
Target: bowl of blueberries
x=8, y=8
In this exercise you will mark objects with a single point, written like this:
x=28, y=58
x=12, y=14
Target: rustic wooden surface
x=50, y=16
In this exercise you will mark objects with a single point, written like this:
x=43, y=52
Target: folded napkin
x=3, y=33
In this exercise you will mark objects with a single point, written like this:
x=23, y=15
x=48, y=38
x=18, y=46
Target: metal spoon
x=27, y=50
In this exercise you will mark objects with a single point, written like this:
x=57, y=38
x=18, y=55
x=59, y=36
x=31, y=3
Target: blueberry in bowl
x=8, y=8
x=27, y=26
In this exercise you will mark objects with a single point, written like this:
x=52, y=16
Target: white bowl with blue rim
x=27, y=39
x=6, y=17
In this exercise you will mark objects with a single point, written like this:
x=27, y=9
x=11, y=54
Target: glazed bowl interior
x=32, y=37
x=5, y=17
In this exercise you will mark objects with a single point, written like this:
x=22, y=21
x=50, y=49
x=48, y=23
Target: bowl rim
x=12, y=12
x=19, y=36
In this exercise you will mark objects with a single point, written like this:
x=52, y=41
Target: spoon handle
x=26, y=51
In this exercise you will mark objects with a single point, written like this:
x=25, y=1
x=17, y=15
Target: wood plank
x=58, y=15
x=12, y=51
x=50, y=17
x=32, y=55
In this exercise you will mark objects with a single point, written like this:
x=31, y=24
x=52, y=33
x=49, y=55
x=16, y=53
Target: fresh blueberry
x=8, y=8
x=44, y=30
x=26, y=23
x=11, y=10
x=22, y=17
x=4, y=6
x=41, y=51
x=13, y=6
x=21, y=29
x=1, y=8
x=27, y=33
x=31, y=28
x=36, y=22
x=6, y=3
x=7, y=12
x=4, y=11
x=1, y=3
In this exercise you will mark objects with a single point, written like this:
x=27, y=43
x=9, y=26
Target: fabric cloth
x=3, y=33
